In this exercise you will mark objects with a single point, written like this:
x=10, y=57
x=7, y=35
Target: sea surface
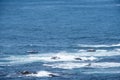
x=60, y=32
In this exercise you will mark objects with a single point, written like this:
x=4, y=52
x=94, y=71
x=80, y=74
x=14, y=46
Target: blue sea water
x=65, y=29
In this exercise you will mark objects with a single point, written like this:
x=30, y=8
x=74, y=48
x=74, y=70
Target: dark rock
x=25, y=72
x=53, y=75
x=91, y=50
x=78, y=59
x=55, y=57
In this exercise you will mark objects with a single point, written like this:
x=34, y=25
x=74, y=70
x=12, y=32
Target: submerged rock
x=55, y=57
x=89, y=64
x=91, y=50
x=32, y=51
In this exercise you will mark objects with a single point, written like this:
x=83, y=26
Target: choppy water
x=65, y=29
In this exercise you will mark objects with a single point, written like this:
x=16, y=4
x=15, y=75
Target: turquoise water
x=65, y=29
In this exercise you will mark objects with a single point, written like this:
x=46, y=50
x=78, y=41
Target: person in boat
x=91, y=50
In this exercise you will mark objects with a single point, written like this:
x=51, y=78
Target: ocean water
x=65, y=29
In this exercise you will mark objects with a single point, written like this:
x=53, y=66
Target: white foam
x=88, y=58
x=117, y=50
x=18, y=59
x=101, y=53
x=71, y=65
x=105, y=65
x=43, y=74
x=101, y=72
x=68, y=65
x=98, y=46
x=62, y=56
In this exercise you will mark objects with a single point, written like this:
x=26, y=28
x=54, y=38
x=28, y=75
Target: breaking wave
x=46, y=58
x=71, y=65
x=43, y=74
x=102, y=72
x=99, y=46
x=61, y=56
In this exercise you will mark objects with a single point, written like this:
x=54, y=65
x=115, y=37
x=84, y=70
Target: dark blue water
x=62, y=28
